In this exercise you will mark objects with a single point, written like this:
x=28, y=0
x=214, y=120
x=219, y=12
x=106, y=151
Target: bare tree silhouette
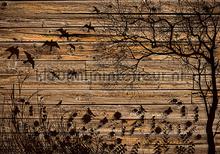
x=188, y=31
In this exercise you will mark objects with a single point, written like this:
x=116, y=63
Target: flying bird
x=30, y=59
x=96, y=9
x=64, y=33
x=14, y=51
x=72, y=46
x=51, y=44
x=89, y=26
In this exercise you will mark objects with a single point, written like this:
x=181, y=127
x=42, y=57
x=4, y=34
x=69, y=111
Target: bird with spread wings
x=14, y=51
x=89, y=27
x=30, y=59
x=64, y=33
x=51, y=44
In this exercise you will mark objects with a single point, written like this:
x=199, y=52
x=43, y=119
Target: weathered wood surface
x=29, y=24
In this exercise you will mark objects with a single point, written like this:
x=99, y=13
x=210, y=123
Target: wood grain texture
x=28, y=24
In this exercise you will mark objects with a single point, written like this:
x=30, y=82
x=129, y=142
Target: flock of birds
x=87, y=117
x=14, y=50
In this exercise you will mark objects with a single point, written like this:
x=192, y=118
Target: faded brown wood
x=29, y=24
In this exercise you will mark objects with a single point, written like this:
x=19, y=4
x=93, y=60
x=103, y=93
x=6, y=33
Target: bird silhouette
x=96, y=9
x=51, y=44
x=14, y=51
x=89, y=27
x=64, y=33
x=72, y=46
x=30, y=59
x=90, y=112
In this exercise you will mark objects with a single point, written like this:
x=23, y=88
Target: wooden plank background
x=28, y=24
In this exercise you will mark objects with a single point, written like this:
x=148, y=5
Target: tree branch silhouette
x=189, y=32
